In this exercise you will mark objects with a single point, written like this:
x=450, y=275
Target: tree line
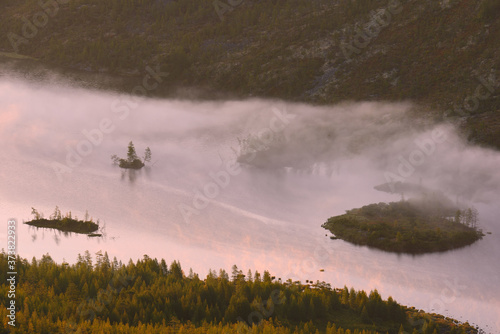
x=149, y=296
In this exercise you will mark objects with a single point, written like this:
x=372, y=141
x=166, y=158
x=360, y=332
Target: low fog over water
x=247, y=183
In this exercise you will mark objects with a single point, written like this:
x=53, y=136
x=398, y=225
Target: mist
x=245, y=182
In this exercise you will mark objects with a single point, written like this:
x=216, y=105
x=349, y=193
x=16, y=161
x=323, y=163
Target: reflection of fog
x=324, y=161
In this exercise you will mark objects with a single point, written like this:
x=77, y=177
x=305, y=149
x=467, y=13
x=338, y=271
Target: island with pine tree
x=65, y=223
x=132, y=161
x=408, y=226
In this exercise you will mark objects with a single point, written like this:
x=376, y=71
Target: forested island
x=64, y=223
x=149, y=296
x=132, y=161
x=407, y=227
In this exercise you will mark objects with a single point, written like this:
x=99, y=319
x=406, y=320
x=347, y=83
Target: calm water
x=265, y=212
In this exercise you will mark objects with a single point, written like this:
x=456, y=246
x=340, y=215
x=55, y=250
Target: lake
x=246, y=183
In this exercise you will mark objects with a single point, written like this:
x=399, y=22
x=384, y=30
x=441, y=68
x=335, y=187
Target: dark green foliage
x=51, y=297
x=280, y=49
x=405, y=227
x=135, y=164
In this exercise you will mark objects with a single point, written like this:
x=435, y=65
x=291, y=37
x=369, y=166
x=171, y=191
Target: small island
x=64, y=223
x=408, y=226
x=132, y=161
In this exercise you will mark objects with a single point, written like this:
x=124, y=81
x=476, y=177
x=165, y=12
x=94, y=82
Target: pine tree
x=474, y=217
x=468, y=217
x=249, y=275
x=116, y=159
x=236, y=273
x=147, y=155
x=36, y=214
x=131, y=154
x=364, y=315
x=345, y=296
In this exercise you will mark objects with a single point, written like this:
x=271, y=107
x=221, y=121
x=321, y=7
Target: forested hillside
x=443, y=54
x=151, y=297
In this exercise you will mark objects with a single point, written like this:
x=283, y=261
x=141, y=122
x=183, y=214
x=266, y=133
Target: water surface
x=267, y=213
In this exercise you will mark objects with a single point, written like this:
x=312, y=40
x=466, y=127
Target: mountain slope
x=444, y=54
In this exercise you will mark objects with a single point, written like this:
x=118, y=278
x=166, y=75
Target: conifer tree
x=147, y=155
x=131, y=154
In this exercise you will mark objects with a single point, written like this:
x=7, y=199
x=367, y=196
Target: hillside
x=444, y=55
x=149, y=296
